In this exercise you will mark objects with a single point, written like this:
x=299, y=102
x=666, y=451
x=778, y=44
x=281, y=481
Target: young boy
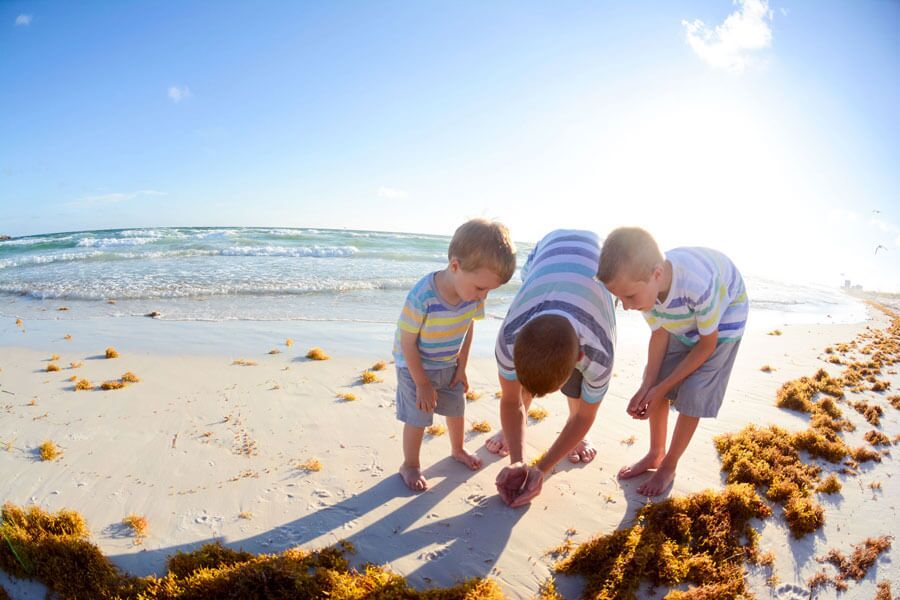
x=696, y=305
x=434, y=334
x=559, y=334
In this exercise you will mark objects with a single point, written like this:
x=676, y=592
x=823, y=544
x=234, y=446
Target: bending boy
x=696, y=305
x=559, y=333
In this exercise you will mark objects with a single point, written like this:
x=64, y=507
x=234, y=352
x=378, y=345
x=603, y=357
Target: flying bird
x=879, y=247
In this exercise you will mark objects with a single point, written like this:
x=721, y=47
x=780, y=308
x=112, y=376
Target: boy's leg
x=685, y=427
x=455, y=427
x=496, y=444
x=659, y=421
x=411, y=470
x=584, y=451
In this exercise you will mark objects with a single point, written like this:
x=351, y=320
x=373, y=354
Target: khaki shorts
x=451, y=402
x=701, y=393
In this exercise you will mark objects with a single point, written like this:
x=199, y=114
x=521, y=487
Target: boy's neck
x=666, y=283
x=444, y=282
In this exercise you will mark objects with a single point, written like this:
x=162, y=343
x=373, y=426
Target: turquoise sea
x=280, y=274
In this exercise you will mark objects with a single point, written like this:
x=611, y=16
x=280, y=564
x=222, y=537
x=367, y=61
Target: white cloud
x=177, y=94
x=115, y=197
x=731, y=45
x=24, y=20
x=391, y=193
x=897, y=241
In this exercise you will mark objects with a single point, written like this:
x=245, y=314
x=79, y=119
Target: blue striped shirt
x=707, y=294
x=440, y=326
x=559, y=279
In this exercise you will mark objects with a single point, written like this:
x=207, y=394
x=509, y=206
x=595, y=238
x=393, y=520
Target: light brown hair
x=630, y=248
x=545, y=353
x=481, y=243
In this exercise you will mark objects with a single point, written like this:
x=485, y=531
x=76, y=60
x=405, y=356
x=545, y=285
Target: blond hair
x=481, y=243
x=545, y=354
x=631, y=249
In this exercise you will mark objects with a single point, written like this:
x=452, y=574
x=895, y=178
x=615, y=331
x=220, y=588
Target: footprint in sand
x=477, y=500
x=436, y=554
x=789, y=591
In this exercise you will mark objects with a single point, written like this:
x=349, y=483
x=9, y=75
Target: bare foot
x=583, y=452
x=650, y=461
x=470, y=460
x=496, y=444
x=412, y=477
x=657, y=484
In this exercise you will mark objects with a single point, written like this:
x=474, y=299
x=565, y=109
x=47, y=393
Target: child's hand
x=426, y=397
x=518, y=484
x=636, y=405
x=647, y=403
x=460, y=377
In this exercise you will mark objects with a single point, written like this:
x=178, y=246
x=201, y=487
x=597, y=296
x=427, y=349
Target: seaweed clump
x=695, y=539
x=138, y=526
x=876, y=438
x=317, y=354
x=54, y=549
x=49, y=450
x=537, y=413
x=481, y=427
x=857, y=564
x=111, y=353
x=769, y=458
x=368, y=376
x=435, y=430
x=830, y=485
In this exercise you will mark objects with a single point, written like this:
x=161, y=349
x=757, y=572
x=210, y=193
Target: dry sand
x=200, y=441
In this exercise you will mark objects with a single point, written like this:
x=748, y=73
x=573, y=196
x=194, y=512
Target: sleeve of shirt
x=652, y=320
x=711, y=306
x=595, y=382
x=504, y=355
x=527, y=268
x=413, y=314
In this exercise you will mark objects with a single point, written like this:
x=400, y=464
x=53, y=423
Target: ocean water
x=279, y=274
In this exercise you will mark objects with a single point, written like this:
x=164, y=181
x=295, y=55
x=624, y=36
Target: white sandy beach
x=199, y=441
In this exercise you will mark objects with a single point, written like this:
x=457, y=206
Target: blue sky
x=767, y=130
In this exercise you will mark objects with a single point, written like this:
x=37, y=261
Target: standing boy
x=434, y=334
x=696, y=305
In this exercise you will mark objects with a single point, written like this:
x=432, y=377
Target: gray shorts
x=701, y=392
x=451, y=402
x=572, y=387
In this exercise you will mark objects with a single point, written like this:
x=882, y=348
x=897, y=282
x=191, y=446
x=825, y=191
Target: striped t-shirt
x=441, y=326
x=558, y=279
x=707, y=294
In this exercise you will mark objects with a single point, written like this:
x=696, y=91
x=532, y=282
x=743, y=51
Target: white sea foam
x=318, y=251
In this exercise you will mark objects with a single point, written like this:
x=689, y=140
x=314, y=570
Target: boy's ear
x=454, y=264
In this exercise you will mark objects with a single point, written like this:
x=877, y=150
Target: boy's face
x=634, y=293
x=473, y=285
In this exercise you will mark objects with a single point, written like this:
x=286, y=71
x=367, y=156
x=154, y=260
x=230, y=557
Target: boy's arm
x=517, y=483
x=512, y=417
x=701, y=351
x=463, y=359
x=656, y=352
x=575, y=429
x=426, y=396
